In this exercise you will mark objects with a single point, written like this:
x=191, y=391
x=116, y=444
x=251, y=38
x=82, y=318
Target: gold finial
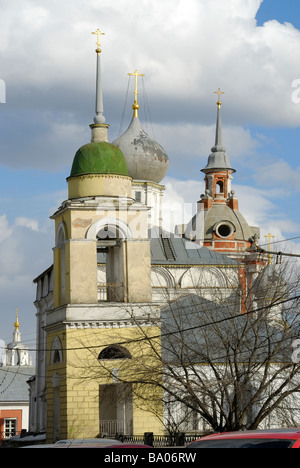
x=219, y=92
x=135, y=106
x=98, y=34
x=17, y=325
x=269, y=236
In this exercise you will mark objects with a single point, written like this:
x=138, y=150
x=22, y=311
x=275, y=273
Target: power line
x=159, y=336
x=162, y=335
x=284, y=240
x=279, y=254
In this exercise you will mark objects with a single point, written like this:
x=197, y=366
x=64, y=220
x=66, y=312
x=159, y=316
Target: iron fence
x=179, y=439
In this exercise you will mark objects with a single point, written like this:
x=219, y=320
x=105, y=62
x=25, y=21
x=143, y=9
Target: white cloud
x=179, y=201
x=25, y=251
x=26, y=222
x=35, y=17
x=279, y=173
x=191, y=141
x=187, y=48
x=5, y=229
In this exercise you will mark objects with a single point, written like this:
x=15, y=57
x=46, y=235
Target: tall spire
x=99, y=117
x=219, y=137
x=218, y=159
x=135, y=106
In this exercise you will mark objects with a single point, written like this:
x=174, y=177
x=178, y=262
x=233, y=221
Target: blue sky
x=280, y=10
x=48, y=66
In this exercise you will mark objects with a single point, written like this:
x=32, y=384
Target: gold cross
x=219, y=92
x=269, y=236
x=98, y=33
x=136, y=74
x=135, y=105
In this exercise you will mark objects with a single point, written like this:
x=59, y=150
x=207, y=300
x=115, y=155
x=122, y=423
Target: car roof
x=267, y=433
x=87, y=441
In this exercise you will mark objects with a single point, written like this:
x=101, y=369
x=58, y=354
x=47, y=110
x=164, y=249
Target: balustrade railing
x=112, y=427
x=110, y=292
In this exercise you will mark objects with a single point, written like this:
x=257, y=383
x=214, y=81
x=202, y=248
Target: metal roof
x=168, y=249
x=172, y=250
x=13, y=383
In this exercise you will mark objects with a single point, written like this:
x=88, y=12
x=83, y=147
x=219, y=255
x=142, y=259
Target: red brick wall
x=10, y=414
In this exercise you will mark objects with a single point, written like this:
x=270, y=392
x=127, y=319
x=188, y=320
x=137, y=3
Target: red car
x=269, y=438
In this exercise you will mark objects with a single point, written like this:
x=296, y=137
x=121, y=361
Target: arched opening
x=61, y=269
x=114, y=352
x=220, y=186
x=108, y=233
x=110, y=250
x=116, y=408
x=56, y=355
x=111, y=236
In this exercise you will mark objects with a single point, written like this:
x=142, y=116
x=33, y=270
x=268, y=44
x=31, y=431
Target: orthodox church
x=15, y=370
x=115, y=269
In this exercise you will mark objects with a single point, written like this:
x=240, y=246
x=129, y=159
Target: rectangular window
x=138, y=196
x=10, y=428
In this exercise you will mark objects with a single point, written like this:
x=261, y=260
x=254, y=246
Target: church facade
x=15, y=371
x=115, y=269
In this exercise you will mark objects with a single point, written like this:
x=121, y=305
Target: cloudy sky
x=187, y=49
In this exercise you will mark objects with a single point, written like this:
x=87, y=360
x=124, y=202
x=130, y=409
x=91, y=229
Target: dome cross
x=135, y=106
x=219, y=92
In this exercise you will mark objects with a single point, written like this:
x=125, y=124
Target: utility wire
x=162, y=335
x=279, y=254
x=284, y=240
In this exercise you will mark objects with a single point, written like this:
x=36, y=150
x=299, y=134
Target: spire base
x=99, y=132
x=99, y=119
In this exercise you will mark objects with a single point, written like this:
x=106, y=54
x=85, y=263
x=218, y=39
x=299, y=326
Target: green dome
x=99, y=158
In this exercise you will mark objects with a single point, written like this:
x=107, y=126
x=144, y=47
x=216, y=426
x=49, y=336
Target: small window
x=220, y=186
x=114, y=352
x=56, y=351
x=224, y=229
x=138, y=196
x=10, y=428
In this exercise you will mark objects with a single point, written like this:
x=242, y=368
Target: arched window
x=56, y=351
x=60, y=245
x=220, y=186
x=107, y=233
x=114, y=352
x=105, y=228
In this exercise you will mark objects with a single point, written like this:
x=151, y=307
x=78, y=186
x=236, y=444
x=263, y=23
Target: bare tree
x=226, y=363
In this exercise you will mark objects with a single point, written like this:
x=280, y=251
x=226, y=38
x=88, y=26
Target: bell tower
x=218, y=171
x=101, y=282
x=218, y=224
x=100, y=216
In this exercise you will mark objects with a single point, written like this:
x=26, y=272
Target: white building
x=15, y=370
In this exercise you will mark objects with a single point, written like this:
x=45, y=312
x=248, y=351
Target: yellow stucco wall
x=80, y=377
x=99, y=185
x=80, y=277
